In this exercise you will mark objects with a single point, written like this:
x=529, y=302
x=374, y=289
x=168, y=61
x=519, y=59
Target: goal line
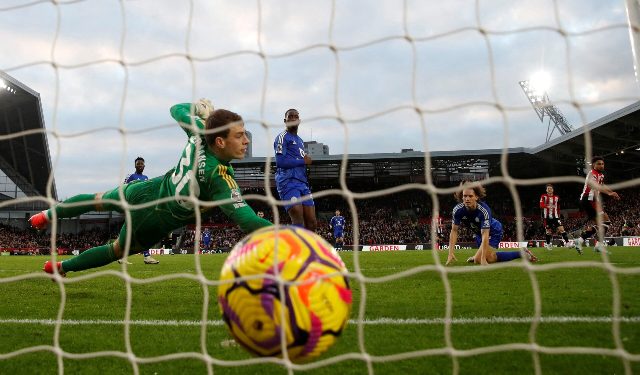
x=372, y=322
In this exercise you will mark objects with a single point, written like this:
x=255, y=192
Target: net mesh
x=189, y=45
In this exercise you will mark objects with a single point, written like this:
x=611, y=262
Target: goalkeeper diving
x=203, y=173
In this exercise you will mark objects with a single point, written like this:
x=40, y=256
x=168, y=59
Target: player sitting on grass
x=203, y=172
x=471, y=212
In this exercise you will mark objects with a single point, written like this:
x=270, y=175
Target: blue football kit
x=135, y=177
x=291, y=172
x=337, y=223
x=479, y=219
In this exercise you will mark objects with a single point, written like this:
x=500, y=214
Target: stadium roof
x=615, y=136
x=24, y=150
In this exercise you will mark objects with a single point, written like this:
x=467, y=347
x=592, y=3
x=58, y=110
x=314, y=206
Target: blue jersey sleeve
x=283, y=158
x=484, y=214
x=457, y=214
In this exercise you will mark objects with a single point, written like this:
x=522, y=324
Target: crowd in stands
x=13, y=238
x=399, y=218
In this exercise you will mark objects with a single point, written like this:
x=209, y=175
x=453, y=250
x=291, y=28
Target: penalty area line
x=378, y=321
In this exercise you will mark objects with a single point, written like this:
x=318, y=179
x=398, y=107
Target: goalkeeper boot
x=549, y=246
x=39, y=220
x=49, y=266
x=124, y=261
x=471, y=259
x=530, y=257
x=150, y=260
x=577, y=244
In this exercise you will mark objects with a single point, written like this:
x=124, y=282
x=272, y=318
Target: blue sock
x=505, y=256
x=146, y=253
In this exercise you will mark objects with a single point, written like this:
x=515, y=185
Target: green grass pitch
x=491, y=331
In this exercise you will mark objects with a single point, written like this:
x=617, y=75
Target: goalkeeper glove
x=203, y=108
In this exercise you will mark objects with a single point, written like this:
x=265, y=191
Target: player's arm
x=607, y=190
x=128, y=179
x=484, y=246
x=188, y=117
x=238, y=210
x=453, y=239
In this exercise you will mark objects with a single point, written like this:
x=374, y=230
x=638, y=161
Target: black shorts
x=589, y=208
x=552, y=224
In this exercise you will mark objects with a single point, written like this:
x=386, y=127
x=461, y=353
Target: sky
x=366, y=76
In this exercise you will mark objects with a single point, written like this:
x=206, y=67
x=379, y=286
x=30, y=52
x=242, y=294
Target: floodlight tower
x=543, y=106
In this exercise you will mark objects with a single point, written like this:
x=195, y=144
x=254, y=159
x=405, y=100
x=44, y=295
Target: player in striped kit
x=474, y=214
x=591, y=205
x=291, y=173
x=337, y=225
x=550, y=210
x=202, y=173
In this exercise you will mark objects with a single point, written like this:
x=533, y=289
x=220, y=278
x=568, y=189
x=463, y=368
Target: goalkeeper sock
x=548, y=239
x=565, y=236
x=146, y=253
x=505, y=256
x=75, y=210
x=92, y=258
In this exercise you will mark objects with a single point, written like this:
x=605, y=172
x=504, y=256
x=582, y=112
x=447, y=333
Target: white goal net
x=439, y=83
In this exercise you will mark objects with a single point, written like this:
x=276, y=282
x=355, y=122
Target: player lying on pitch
x=202, y=173
x=473, y=213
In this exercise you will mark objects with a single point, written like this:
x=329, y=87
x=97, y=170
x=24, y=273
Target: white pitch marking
x=378, y=321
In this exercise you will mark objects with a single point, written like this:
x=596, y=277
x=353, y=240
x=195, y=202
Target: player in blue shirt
x=206, y=239
x=474, y=214
x=291, y=173
x=138, y=176
x=139, y=164
x=337, y=224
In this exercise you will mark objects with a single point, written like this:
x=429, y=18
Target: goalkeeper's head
x=225, y=135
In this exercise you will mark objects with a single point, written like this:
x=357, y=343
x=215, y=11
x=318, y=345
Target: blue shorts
x=337, y=234
x=495, y=236
x=293, y=193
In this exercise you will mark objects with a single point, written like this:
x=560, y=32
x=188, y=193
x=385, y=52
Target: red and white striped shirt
x=549, y=206
x=596, y=178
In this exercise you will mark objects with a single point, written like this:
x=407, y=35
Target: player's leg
x=490, y=256
x=309, y=210
x=549, y=245
x=95, y=257
x=291, y=195
x=588, y=207
x=296, y=214
x=148, y=259
x=62, y=210
x=506, y=256
x=563, y=234
x=606, y=224
x=309, y=216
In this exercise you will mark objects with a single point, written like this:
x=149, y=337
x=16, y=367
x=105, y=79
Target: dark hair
x=219, y=119
x=289, y=110
x=480, y=191
x=549, y=185
x=138, y=158
x=596, y=158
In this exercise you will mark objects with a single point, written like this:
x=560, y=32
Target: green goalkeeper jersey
x=199, y=174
